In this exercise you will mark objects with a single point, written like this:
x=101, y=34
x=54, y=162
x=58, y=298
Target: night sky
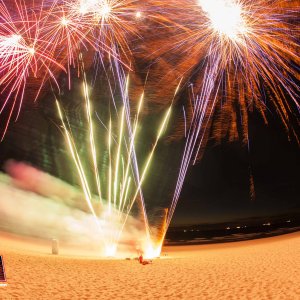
x=215, y=190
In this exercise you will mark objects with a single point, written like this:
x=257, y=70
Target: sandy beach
x=258, y=269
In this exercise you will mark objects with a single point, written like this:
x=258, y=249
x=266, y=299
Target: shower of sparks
x=121, y=190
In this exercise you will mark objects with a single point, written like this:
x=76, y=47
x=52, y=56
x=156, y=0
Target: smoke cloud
x=36, y=204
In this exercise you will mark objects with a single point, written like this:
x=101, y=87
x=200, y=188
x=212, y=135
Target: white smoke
x=36, y=204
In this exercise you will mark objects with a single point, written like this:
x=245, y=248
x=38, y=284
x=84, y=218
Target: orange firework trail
x=121, y=187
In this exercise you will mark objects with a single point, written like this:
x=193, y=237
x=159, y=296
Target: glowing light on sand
x=110, y=251
x=152, y=251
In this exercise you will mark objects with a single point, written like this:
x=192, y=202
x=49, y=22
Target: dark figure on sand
x=144, y=262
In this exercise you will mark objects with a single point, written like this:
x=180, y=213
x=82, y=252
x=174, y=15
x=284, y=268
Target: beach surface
x=259, y=269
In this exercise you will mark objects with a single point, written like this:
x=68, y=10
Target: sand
x=260, y=269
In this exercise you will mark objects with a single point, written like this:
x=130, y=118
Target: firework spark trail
x=77, y=161
x=146, y=167
x=120, y=195
x=109, y=167
x=116, y=179
x=91, y=136
x=144, y=172
x=198, y=125
x=131, y=153
x=124, y=201
x=184, y=116
x=153, y=247
x=132, y=134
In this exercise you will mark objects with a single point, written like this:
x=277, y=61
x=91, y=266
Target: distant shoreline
x=231, y=238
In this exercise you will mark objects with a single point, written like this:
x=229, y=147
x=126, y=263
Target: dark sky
x=215, y=190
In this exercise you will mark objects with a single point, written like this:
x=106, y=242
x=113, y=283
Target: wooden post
x=55, y=247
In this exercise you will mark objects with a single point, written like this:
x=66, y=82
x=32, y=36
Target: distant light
x=288, y=221
x=138, y=15
x=227, y=228
x=238, y=227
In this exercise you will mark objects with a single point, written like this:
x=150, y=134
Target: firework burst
x=23, y=55
x=67, y=35
x=240, y=56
